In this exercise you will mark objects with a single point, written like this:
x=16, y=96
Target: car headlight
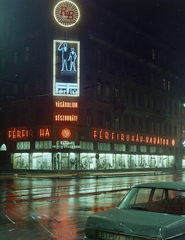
x=159, y=234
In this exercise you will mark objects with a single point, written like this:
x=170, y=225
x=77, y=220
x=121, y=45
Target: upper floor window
x=15, y=58
x=168, y=85
x=153, y=54
x=164, y=83
x=107, y=89
x=99, y=87
x=26, y=54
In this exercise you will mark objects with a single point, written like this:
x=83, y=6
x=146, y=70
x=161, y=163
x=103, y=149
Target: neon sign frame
x=66, y=75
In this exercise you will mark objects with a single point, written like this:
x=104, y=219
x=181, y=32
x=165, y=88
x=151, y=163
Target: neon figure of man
x=64, y=55
x=72, y=58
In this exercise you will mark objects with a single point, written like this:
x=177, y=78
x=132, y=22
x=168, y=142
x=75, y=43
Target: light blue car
x=149, y=211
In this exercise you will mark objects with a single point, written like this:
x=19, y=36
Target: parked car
x=148, y=211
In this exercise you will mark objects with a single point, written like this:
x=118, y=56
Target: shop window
x=41, y=161
x=88, y=161
x=21, y=161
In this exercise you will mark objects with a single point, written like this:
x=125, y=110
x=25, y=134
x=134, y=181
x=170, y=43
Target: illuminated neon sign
x=66, y=68
x=135, y=138
x=22, y=133
x=63, y=104
x=66, y=133
x=66, y=118
x=66, y=13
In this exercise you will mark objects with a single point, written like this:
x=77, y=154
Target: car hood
x=136, y=222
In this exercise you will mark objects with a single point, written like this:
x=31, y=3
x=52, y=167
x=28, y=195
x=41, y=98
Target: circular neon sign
x=66, y=133
x=66, y=13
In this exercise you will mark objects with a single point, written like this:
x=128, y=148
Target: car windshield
x=155, y=200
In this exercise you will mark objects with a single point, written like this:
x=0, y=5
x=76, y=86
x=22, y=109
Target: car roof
x=166, y=185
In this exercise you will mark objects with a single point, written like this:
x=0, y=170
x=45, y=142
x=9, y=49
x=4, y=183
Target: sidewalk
x=70, y=175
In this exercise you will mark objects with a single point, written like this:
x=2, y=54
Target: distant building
x=87, y=98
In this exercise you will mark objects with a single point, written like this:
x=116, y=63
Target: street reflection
x=58, y=209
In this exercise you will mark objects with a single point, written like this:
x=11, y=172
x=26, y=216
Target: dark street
x=33, y=208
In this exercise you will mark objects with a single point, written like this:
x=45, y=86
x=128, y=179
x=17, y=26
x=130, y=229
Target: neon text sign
x=22, y=133
x=64, y=104
x=135, y=138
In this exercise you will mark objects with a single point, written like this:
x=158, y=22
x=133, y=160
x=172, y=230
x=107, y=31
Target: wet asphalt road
x=32, y=208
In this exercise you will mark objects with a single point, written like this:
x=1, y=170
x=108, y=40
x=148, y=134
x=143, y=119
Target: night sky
x=162, y=19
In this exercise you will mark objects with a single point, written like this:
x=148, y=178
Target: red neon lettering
x=167, y=142
x=137, y=138
x=14, y=133
x=95, y=134
x=112, y=136
x=30, y=133
x=41, y=132
x=147, y=139
x=18, y=134
x=164, y=142
x=101, y=134
x=132, y=138
x=117, y=136
x=47, y=134
x=155, y=140
x=122, y=137
x=150, y=139
x=127, y=137
x=9, y=134
x=141, y=138
x=106, y=135
x=158, y=140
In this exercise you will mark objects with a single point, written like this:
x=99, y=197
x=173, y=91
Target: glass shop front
x=65, y=155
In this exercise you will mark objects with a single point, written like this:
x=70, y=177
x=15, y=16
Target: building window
x=116, y=91
x=99, y=87
x=133, y=124
x=107, y=90
x=89, y=118
x=99, y=57
x=153, y=54
x=108, y=120
x=164, y=83
x=117, y=123
x=26, y=54
x=168, y=85
x=132, y=97
x=100, y=119
x=15, y=58
x=108, y=63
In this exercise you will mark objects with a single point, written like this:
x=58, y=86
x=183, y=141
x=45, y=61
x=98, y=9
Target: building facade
x=90, y=96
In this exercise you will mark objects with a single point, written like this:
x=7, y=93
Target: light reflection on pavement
x=58, y=208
